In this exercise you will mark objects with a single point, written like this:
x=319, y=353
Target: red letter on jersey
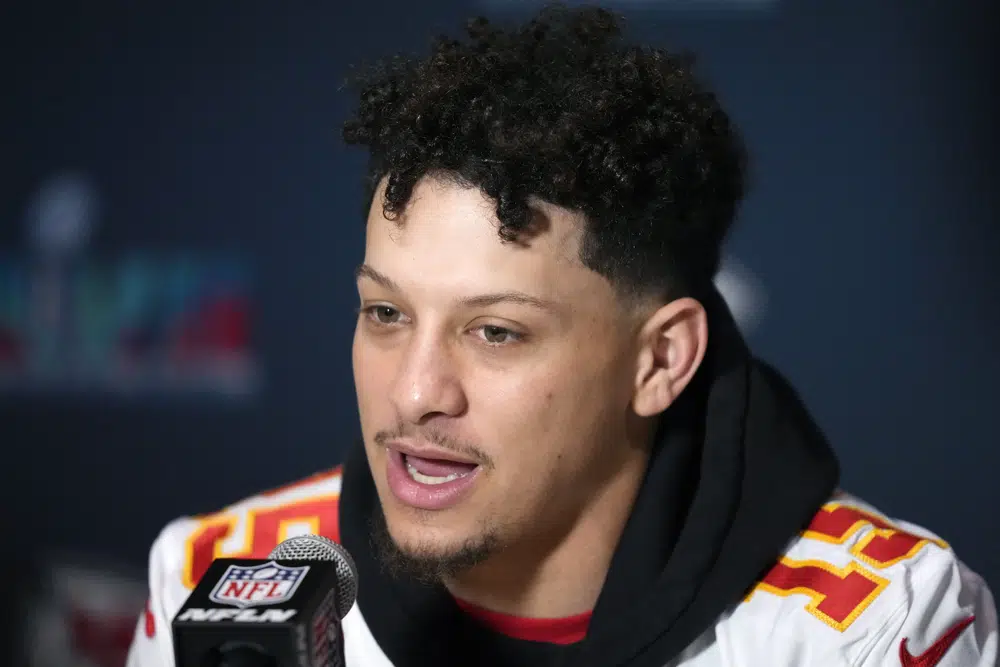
x=882, y=547
x=837, y=595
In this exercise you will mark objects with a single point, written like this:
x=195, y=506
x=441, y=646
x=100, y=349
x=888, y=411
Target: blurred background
x=179, y=223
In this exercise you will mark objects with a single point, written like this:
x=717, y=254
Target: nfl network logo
x=257, y=585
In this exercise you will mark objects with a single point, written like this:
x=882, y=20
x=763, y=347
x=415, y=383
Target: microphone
x=280, y=611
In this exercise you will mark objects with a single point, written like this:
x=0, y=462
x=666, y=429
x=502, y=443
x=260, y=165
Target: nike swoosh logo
x=933, y=655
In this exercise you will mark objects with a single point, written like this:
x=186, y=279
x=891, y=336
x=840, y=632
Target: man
x=569, y=456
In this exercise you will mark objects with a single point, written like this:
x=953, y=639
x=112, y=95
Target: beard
x=424, y=563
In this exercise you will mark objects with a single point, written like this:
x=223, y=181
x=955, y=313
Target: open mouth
x=435, y=471
x=429, y=483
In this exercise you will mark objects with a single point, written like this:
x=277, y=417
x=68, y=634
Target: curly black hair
x=563, y=110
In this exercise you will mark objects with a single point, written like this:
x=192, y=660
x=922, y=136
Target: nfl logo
x=257, y=585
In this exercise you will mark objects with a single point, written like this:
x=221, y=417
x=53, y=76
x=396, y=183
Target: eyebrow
x=478, y=301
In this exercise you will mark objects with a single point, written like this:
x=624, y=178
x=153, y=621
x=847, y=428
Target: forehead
x=448, y=238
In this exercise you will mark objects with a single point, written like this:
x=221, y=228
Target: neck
x=539, y=579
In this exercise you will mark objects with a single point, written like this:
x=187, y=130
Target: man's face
x=494, y=380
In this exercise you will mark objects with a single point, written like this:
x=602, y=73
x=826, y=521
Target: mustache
x=465, y=449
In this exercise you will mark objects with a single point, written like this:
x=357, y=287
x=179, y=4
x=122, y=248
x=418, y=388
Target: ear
x=672, y=344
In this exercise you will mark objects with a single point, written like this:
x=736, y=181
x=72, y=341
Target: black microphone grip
x=262, y=613
x=241, y=656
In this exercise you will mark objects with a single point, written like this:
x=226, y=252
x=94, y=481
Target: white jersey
x=855, y=589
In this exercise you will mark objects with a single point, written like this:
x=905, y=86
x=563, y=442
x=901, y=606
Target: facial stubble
x=424, y=562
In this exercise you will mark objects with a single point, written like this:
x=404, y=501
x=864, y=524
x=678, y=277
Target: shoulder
x=858, y=588
x=251, y=527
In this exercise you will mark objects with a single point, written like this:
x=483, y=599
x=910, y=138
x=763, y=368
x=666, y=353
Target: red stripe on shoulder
x=262, y=527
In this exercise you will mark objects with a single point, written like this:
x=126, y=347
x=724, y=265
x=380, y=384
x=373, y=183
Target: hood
x=737, y=470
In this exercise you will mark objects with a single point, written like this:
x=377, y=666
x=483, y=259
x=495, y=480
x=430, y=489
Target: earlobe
x=672, y=347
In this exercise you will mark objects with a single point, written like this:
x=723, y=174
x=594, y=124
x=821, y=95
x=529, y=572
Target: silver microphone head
x=314, y=547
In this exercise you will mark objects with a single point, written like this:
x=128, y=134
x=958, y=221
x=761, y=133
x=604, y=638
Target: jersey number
x=264, y=529
x=839, y=595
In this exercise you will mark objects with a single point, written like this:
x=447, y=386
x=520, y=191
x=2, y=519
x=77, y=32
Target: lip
x=417, y=495
x=424, y=451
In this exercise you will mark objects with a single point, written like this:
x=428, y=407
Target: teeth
x=427, y=479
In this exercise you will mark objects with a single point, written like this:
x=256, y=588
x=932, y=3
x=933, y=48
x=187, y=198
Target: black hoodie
x=738, y=469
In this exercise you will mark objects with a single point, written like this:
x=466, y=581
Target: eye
x=383, y=314
x=494, y=335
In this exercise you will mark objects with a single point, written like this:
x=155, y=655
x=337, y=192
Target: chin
x=420, y=530
x=424, y=548
x=411, y=548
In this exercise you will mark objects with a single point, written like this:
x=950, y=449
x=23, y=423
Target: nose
x=428, y=383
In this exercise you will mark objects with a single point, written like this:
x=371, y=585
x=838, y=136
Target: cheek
x=372, y=378
x=557, y=414
x=544, y=419
x=361, y=369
